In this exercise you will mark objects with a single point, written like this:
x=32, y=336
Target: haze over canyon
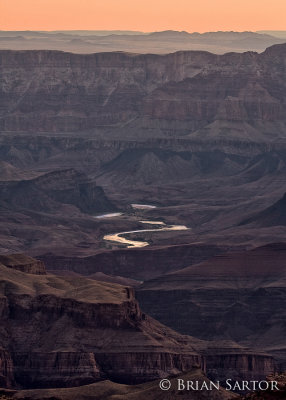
x=143, y=212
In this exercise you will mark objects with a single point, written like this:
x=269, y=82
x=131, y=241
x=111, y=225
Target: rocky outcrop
x=54, y=369
x=138, y=367
x=6, y=369
x=23, y=263
x=238, y=366
x=65, y=332
x=271, y=394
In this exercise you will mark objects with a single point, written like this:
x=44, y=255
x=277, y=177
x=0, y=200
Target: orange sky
x=144, y=15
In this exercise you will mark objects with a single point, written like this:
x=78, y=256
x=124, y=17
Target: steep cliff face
x=104, y=89
x=54, y=369
x=68, y=332
x=6, y=369
x=63, y=332
x=238, y=366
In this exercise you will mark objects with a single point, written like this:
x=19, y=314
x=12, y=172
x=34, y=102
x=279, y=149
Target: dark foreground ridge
x=63, y=332
x=108, y=390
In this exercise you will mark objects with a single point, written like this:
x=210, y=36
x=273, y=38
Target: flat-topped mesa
x=66, y=331
x=23, y=263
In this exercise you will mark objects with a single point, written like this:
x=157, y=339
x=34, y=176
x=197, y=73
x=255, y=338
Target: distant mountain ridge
x=160, y=42
x=279, y=34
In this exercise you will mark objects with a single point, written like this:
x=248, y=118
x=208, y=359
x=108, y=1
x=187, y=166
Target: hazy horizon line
x=143, y=32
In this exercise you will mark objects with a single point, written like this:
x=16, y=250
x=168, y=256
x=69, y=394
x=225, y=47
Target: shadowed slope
x=271, y=216
x=69, y=331
x=111, y=391
x=238, y=296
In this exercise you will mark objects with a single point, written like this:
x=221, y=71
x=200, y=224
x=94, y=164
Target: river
x=119, y=237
